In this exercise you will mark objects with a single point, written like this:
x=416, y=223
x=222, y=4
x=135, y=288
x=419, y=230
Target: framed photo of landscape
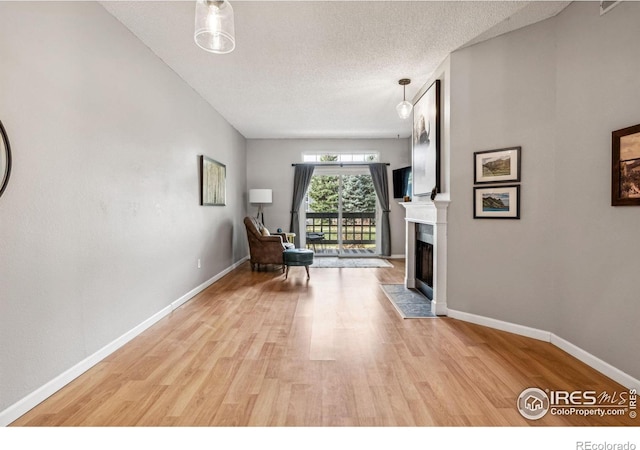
x=426, y=142
x=213, y=179
x=497, y=166
x=625, y=167
x=496, y=202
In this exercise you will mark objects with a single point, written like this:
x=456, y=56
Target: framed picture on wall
x=213, y=179
x=625, y=167
x=496, y=202
x=426, y=142
x=497, y=166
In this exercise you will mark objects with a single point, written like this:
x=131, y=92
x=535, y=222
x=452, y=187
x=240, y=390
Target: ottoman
x=297, y=257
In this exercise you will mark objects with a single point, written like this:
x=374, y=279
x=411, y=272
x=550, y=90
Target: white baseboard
x=592, y=361
x=395, y=256
x=501, y=325
x=43, y=392
x=22, y=406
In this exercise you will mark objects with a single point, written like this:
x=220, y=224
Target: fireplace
x=424, y=259
x=426, y=251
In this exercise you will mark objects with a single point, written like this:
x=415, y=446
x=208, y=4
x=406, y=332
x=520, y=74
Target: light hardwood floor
x=257, y=350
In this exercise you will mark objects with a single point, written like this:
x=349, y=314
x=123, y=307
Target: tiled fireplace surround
x=435, y=214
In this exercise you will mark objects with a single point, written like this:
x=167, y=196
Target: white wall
x=558, y=89
x=502, y=95
x=269, y=166
x=598, y=91
x=100, y=226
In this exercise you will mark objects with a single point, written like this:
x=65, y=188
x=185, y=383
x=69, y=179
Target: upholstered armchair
x=264, y=247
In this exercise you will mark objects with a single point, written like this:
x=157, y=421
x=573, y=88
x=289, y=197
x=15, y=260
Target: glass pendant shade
x=404, y=109
x=214, y=31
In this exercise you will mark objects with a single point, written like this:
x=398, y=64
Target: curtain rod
x=339, y=164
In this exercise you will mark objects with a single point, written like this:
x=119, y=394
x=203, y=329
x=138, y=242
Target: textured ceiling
x=306, y=69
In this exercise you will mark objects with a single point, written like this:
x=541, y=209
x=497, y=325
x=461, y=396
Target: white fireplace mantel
x=435, y=214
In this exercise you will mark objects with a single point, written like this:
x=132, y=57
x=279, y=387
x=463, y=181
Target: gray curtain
x=381, y=185
x=301, y=181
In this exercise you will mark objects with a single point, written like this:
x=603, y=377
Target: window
x=353, y=158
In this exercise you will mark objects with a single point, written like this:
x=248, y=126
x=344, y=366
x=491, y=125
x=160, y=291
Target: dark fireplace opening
x=424, y=259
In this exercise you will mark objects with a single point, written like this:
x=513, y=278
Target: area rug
x=323, y=262
x=409, y=303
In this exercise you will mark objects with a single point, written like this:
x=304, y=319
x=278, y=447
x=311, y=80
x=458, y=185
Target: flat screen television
x=402, y=182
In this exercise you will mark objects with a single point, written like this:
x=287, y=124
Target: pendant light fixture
x=404, y=107
x=214, y=30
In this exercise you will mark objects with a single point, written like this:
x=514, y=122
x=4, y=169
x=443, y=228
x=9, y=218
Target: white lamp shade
x=214, y=31
x=260, y=196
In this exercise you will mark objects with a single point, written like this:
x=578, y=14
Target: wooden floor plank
x=255, y=349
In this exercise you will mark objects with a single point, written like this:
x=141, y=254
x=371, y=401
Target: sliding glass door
x=341, y=212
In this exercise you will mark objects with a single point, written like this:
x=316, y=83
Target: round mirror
x=5, y=159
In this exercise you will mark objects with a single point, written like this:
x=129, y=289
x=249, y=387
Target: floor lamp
x=261, y=197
